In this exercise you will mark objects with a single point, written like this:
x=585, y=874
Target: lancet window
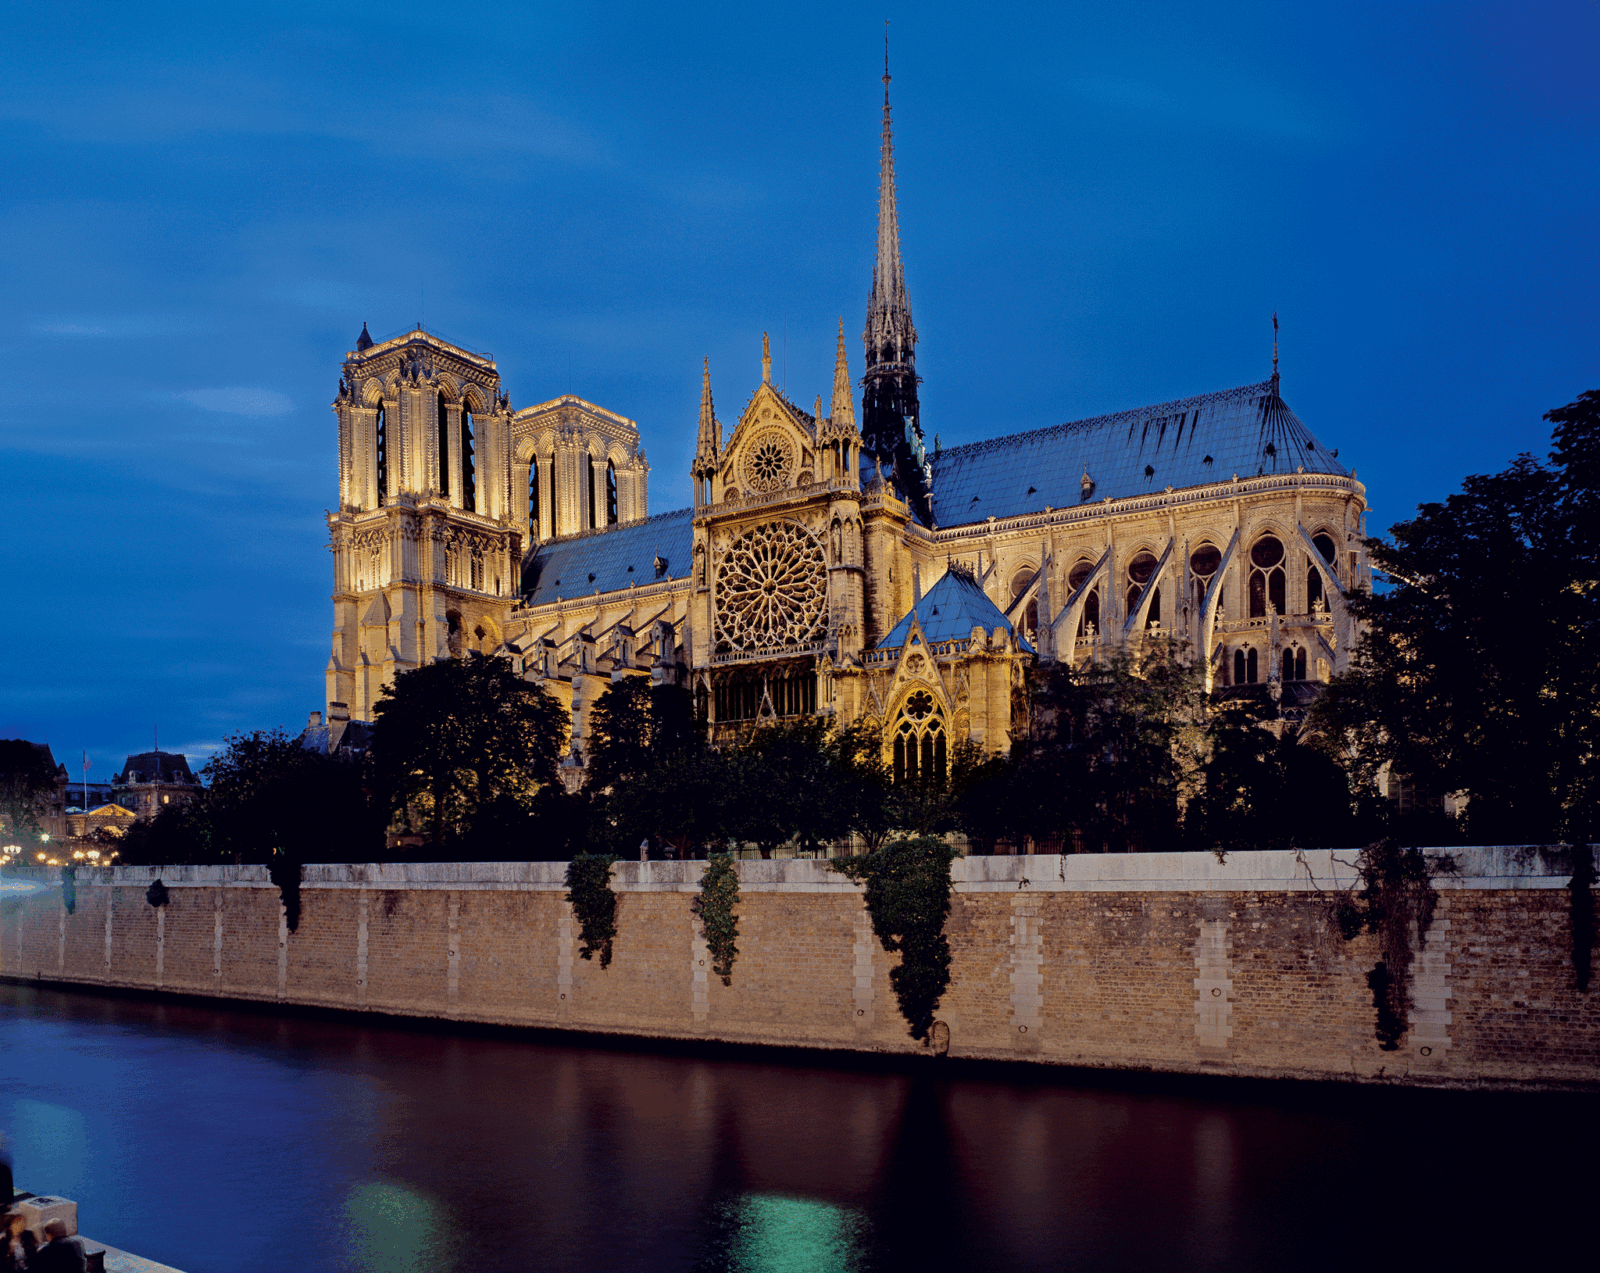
x=533, y=497
x=1089, y=616
x=1203, y=564
x=382, y=449
x=1267, y=580
x=593, y=518
x=1029, y=618
x=1314, y=589
x=920, y=747
x=1294, y=664
x=469, y=470
x=1140, y=569
x=611, y=493
x=444, y=447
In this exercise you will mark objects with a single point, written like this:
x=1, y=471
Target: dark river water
x=220, y=1139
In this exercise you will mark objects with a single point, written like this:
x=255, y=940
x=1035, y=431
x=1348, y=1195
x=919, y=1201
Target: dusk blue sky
x=1100, y=206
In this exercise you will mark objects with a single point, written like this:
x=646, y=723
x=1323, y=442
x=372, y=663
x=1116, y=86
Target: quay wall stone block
x=1173, y=962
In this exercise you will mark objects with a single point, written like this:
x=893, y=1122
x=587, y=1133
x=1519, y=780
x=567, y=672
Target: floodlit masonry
x=833, y=561
x=1171, y=962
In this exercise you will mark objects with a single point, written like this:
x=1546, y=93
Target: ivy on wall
x=1580, y=893
x=157, y=894
x=593, y=902
x=719, y=893
x=908, y=897
x=1396, y=901
x=286, y=875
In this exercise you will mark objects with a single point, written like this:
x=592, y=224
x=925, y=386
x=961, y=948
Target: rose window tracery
x=771, y=590
x=769, y=462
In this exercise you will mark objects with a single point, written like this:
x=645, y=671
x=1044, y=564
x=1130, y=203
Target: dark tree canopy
x=27, y=783
x=455, y=737
x=1480, y=670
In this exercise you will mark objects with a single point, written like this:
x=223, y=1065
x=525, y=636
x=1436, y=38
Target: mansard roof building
x=830, y=563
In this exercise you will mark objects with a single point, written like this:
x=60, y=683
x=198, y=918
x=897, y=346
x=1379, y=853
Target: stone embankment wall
x=1146, y=961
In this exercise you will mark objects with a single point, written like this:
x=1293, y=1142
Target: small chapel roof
x=609, y=559
x=949, y=611
x=1191, y=442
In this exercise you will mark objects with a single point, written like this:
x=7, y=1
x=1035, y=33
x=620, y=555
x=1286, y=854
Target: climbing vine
x=593, y=902
x=69, y=888
x=719, y=892
x=157, y=894
x=1396, y=901
x=908, y=897
x=286, y=875
x=1580, y=891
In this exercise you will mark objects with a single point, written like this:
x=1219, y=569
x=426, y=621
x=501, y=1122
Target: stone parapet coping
x=1263, y=871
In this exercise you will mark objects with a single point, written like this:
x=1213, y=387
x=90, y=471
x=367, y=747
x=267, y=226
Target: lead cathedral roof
x=1191, y=442
x=1248, y=431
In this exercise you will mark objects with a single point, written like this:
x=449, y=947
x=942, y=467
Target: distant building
x=153, y=781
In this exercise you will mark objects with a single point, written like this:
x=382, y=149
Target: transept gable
x=773, y=446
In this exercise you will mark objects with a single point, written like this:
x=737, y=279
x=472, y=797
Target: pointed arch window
x=444, y=448
x=533, y=497
x=1089, y=616
x=1314, y=588
x=1204, y=562
x=920, y=746
x=1252, y=668
x=382, y=449
x=469, y=474
x=1140, y=570
x=611, y=493
x=1029, y=618
x=593, y=518
x=1267, y=580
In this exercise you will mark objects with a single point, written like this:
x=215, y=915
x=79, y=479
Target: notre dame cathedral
x=831, y=563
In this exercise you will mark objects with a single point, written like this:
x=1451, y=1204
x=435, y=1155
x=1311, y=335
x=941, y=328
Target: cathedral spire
x=891, y=419
x=843, y=408
x=708, y=450
x=766, y=360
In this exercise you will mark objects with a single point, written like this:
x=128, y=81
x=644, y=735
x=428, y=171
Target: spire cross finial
x=1274, y=346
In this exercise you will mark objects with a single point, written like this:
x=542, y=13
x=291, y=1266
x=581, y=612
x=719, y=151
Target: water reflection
x=393, y=1229
x=218, y=1139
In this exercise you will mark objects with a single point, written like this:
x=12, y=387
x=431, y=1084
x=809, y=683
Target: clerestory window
x=1267, y=580
x=1089, y=616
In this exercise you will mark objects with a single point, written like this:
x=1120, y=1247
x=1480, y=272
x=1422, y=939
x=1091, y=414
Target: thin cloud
x=241, y=400
x=1232, y=105
x=125, y=326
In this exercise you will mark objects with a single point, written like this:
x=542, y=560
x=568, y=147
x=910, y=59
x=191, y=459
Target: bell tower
x=426, y=542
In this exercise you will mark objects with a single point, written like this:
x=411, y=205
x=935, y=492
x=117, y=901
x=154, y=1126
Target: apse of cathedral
x=831, y=562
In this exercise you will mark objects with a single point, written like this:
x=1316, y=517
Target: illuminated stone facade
x=827, y=565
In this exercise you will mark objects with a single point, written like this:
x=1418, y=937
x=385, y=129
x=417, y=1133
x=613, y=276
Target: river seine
x=219, y=1139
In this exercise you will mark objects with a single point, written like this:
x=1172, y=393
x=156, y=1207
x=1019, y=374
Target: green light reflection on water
x=394, y=1229
x=775, y=1233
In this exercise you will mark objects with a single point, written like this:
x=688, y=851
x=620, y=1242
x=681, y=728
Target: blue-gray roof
x=1192, y=442
x=949, y=611
x=613, y=558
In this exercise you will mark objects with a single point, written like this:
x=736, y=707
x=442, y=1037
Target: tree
x=1114, y=752
x=270, y=798
x=1265, y=788
x=1479, y=671
x=785, y=787
x=452, y=737
x=27, y=783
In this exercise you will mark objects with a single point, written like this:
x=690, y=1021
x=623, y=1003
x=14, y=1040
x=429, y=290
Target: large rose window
x=771, y=590
x=768, y=462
